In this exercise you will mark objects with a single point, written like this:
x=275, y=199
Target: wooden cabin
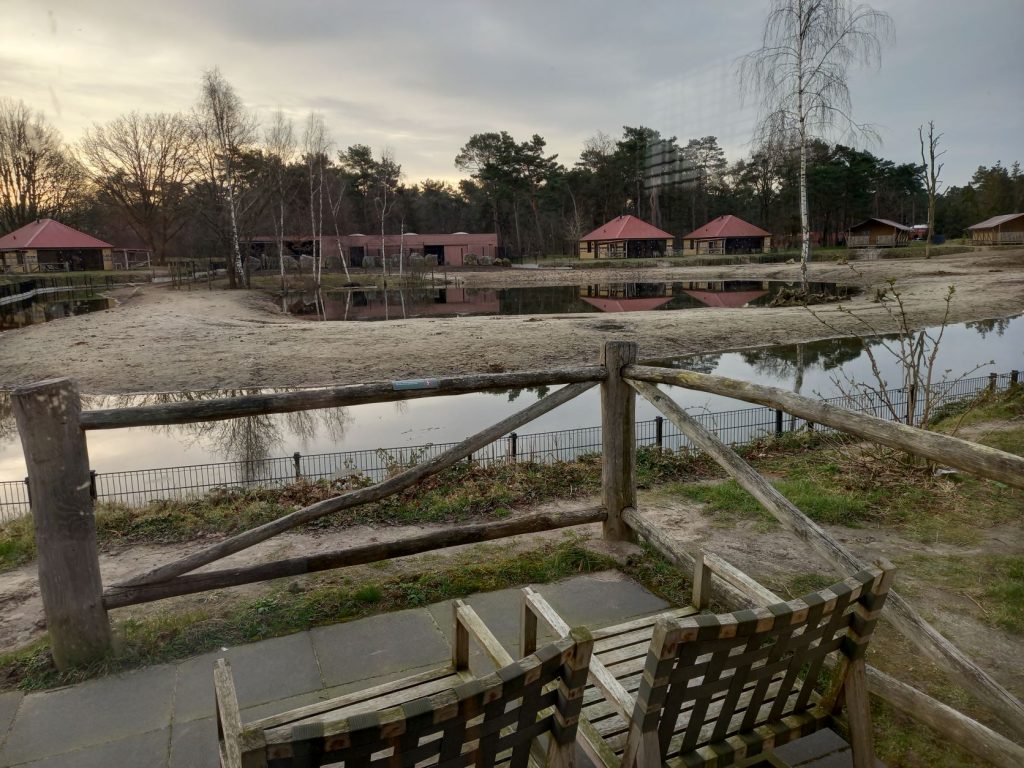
x=625, y=237
x=727, y=234
x=46, y=245
x=1007, y=229
x=878, y=233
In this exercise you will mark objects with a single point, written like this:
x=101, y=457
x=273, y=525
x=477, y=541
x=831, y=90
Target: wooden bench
x=444, y=717
x=683, y=689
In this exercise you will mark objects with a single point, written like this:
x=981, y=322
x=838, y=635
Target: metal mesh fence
x=733, y=427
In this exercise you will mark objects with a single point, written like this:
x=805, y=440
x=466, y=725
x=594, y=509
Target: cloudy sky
x=421, y=77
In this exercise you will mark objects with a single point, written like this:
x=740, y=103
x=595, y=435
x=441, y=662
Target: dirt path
x=161, y=340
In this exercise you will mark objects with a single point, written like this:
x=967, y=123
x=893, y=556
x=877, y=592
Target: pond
x=43, y=308
x=811, y=369
x=353, y=304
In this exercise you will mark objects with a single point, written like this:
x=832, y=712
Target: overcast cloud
x=421, y=77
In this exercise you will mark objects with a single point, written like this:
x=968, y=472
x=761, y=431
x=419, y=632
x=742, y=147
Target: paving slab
x=273, y=669
x=91, y=713
x=9, y=703
x=194, y=744
x=817, y=745
x=145, y=750
x=378, y=645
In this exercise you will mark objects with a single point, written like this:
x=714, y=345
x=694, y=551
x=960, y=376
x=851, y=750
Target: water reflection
x=390, y=304
x=43, y=309
x=248, y=440
x=808, y=368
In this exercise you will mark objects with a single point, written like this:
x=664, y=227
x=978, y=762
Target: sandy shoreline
x=164, y=340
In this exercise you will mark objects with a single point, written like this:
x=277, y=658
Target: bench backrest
x=487, y=721
x=750, y=676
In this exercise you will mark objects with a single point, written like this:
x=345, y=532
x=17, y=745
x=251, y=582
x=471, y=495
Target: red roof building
x=625, y=237
x=46, y=245
x=727, y=234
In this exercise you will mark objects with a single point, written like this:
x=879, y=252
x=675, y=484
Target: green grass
x=175, y=634
x=463, y=492
x=994, y=583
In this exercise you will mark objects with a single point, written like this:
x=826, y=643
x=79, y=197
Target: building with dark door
x=625, y=237
x=727, y=234
x=46, y=245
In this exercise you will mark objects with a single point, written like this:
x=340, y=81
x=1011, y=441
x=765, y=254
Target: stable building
x=1007, y=229
x=454, y=249
x=625, y=237
x=879, y=233
x=46, y=245
x=726, y=235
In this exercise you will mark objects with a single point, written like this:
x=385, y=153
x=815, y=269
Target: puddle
x=44, y=307
x=372, y=304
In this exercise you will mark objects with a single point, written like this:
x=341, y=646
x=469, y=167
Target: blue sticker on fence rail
x=415, y=384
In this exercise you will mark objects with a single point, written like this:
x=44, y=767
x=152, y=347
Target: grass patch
x=995, y=583
x=463, y=492
x=174, y=634
x=901, y=742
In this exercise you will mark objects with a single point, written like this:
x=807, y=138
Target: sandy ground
x=160, y=339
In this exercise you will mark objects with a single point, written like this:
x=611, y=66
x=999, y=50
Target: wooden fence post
x=47, y=414
x=618, y=438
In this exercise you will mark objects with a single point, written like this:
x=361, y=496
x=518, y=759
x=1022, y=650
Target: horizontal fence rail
x=733, y=427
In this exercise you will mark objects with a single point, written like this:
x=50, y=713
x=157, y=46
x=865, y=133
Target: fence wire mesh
x=734, y=427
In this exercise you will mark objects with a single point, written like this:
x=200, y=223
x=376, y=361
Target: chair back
x=492, y=720
x=746, y=680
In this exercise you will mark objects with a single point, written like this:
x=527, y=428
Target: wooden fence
x=53, y=428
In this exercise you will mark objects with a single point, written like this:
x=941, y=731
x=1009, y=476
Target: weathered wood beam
x=979, y=460
x=618, y=437
x=332, y=397
x=371, y=493
x=121, y=596
x=47, y=414
x=1004, y=704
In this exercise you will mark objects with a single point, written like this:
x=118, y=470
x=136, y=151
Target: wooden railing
x=53, y=428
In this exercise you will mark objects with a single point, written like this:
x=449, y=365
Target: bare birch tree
x=144, y=165
x=388, y=174
x=316, y=142
x=932, y=170
x=227, y=128
x=38, y=177
x=798, y=77
x=280, y=143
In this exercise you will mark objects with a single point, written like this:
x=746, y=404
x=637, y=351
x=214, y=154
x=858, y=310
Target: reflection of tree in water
x=781, y=361
x=8, y=427
x=513, y=394
x=249, y=440
x=697, y=363
x=985, y=327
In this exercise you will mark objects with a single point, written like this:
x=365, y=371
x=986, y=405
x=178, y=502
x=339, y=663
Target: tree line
x=199, y=184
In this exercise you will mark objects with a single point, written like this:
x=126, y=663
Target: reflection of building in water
x=626, y=297
x=376, y=304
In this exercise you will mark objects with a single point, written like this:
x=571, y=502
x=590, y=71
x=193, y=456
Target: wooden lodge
x=1007, y=229
x=724, y=235
x=46, y=245
x=878, y=233
x=625, y=237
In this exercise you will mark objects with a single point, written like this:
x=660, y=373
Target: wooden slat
x=118, y=596
x=435, y=679
x=951, y=451
x=741, y=581
x=645, y=622
x=599, y=675
x=467, y=617
x=376, y=492
x=332, y=397
x=229, y=721
x=1002, y=703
